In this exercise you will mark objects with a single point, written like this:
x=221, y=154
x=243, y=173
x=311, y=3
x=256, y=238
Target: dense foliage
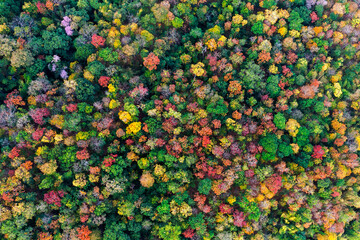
x=179, y=119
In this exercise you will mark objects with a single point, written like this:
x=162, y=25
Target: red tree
x=151, y=61
x=97, y=40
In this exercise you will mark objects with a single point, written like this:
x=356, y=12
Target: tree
x=196, y=33
x=295, y=21
x=114, y=230
x=204, y=186
x=7, y=46
x=151, y=61
x=21, y=58
x=285, y=150
x=300, y=80
x=257, y=28
x=55, y=42
x=273, y=86
x=270, y=144
x=170, y=232
x=97, y=40
x=83, y=51
x=10, y=9
x=217, y=107
x=108, y=55
x=252, y=76
x=302, y=138
x=96, y=68
x=85, y=90
x=280, y=121
x=177, y=22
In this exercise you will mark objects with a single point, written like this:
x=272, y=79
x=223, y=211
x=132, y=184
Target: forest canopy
x=179, y=119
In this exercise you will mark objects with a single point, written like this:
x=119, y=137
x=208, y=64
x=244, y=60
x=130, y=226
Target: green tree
x=295, y=21
x=279, y=121
x=204, y=186
x=285, y=150
x=257, y=28
x=108, y=55
x=270, y=144
x=55, y=42
x=83, y=51
x=96, y=68
x=170, y=232
x=177, y=22
x=253, y=76
x=217, y=107
x=115, y=230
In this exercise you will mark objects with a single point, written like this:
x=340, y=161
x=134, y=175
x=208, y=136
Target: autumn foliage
x=151, y=61
x=170, y=120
